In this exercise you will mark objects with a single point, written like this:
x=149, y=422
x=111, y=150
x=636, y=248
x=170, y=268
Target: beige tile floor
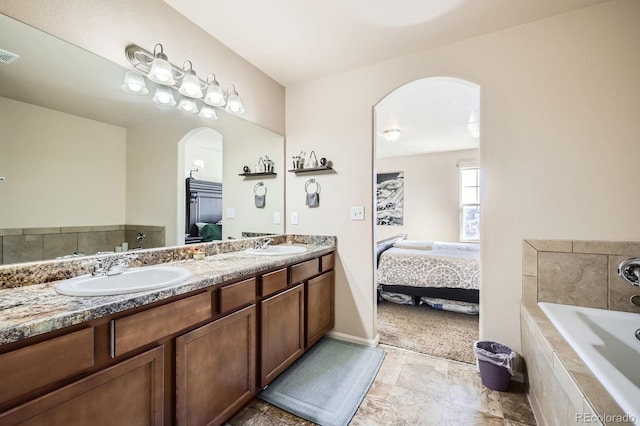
x=416, y=389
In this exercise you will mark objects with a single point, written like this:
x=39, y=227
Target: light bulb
x=234, y=103
x=207, y=112
x=188, y=105
x=161, y=71
x=215, y=95
x=164, y=96
x=134, y=84
x=190, y=83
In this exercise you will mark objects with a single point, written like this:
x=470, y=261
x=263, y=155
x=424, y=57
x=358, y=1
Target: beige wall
x=431, y=194
x=244, y=146
x=47, y=157
x=155, y=166
x=560, y=127
x=106, y=27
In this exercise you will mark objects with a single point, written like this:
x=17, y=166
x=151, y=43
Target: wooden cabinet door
x=128, y=393
x=282, y=332
x=216, y=369
x=320, y=307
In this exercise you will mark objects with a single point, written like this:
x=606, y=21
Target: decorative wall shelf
x=258, y=174
x=314, y=170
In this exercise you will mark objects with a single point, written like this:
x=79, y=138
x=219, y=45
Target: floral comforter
x=450, y=265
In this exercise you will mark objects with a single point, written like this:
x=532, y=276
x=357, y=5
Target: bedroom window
x=469, y=203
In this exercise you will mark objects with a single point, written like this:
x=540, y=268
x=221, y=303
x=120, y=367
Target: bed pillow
x=414, y=245
x=211, y=232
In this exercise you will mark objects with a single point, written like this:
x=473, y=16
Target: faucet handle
x=97, y=264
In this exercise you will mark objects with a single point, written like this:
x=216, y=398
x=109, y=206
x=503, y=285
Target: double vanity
x=189, y=353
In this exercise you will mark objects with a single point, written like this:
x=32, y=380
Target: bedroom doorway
x=200, y=163
x=427, y=201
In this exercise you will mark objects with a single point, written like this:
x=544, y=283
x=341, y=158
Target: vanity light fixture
x=188, y=105
x=215, y=94
x=164, y=96
x=234, y=103
x=160, y=71
x=190, y=83
x=392, y=134
x=208, y=112
x=134, y=84
x=156, y=67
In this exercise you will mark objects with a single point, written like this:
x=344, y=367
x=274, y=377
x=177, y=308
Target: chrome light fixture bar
x=157, y=68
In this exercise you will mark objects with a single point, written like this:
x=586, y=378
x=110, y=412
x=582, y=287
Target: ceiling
x=433, y=114
x=293, y=41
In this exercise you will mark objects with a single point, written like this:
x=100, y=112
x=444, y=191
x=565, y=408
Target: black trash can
x=497, y=363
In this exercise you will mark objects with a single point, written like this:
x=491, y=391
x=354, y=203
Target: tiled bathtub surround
x=42, y=272
x=563, y=390
x=580, y=273
x=36, y=244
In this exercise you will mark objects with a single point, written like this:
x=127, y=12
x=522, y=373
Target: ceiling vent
x=7, y=57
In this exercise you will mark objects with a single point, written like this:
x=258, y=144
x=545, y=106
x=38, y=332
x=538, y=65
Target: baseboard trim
x=354, y=339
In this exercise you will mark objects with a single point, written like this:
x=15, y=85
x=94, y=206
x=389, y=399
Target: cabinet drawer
x=326, y=262
x=274, y=281
x=304, y=270
x=137, y=330
x=128, y=393
x=43, y=363
x=234, y=296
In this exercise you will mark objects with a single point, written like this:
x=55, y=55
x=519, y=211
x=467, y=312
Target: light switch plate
x=231, y=213
x=357, y=212
x=294, y=218
x=276, y=218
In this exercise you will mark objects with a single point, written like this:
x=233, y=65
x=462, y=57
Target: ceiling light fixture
x=157, y=68
x=392, y=134
x=474, y=125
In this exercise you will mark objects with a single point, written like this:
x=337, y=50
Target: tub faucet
x=629, y=270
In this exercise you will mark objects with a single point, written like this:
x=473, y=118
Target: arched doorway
x=427, y=200
x=200, y=156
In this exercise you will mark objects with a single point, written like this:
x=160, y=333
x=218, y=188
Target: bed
x=203, y=211
x=441, y=274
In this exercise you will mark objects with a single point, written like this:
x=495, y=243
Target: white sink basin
x=276, y=250
x=131, y=281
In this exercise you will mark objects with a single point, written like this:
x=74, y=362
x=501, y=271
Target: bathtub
x=606, y=342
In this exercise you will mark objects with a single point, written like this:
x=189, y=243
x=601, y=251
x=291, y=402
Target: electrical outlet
x=294, y=218
x=276, y=218
x=357, y=212
x=231, y=213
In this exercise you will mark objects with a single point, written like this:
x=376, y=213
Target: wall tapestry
x=390, y=199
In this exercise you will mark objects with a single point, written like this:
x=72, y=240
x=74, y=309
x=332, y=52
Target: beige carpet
x=429, y=331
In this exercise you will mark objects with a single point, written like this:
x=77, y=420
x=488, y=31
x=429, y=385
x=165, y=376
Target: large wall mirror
x=88, y=167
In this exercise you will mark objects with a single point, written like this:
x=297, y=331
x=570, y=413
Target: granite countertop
x=36, y=309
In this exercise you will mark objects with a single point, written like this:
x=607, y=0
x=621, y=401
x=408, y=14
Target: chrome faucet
x=110, y=265
x=262, y=245
x=629, y=270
